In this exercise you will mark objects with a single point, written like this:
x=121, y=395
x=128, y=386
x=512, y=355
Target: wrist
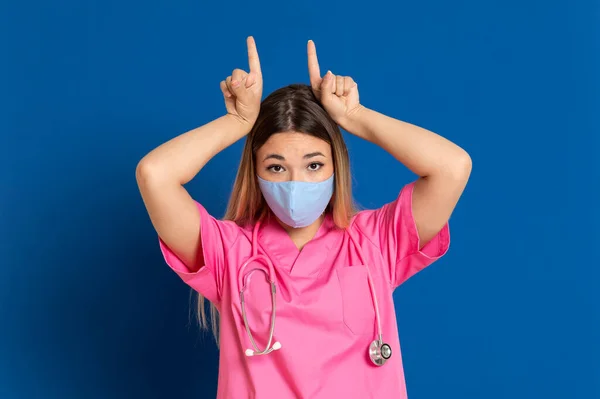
x=354, y=121
x=238, y=125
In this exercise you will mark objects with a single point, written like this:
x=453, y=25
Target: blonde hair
x=291, y=108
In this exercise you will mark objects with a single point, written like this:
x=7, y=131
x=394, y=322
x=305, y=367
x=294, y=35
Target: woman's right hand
x=243, y=91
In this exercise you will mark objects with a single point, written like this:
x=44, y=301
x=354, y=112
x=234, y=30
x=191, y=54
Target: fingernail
x=235, y=83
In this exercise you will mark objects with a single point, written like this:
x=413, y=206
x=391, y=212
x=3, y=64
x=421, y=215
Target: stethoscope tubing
x=270, y=274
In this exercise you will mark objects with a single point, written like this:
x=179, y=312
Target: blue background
x=88, y=309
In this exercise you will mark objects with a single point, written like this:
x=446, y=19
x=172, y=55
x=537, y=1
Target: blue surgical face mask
x=297, y=203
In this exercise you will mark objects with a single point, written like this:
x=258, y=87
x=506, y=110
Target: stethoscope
x=379, y=351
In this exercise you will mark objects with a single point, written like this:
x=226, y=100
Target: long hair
x=291, y=108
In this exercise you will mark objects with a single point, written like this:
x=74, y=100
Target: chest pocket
x=357, y=302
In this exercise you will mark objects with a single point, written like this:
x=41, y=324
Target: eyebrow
x=282, y=158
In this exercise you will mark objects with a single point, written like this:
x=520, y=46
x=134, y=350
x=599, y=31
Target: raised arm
x=162, y=173
x=442, y=166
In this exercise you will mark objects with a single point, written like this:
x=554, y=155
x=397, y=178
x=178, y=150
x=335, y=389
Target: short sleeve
x=216, y=236
x=392, y=227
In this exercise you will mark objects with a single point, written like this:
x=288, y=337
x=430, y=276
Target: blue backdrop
x=89, y=310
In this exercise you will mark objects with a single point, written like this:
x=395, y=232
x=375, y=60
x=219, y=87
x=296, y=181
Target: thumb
x=328, y=84
x=239, y=86
x=250, y=79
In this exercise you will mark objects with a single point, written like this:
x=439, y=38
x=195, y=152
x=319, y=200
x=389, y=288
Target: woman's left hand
x=338, y=94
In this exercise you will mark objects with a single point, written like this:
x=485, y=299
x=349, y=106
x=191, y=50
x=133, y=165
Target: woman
x=311, y=315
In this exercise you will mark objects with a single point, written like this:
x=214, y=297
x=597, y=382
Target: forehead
x=292, y=143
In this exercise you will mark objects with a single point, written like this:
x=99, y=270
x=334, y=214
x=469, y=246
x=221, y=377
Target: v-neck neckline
x=276, y=241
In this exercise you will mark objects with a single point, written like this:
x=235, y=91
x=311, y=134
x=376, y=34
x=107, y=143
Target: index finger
x=313, y=65
x=253, y=60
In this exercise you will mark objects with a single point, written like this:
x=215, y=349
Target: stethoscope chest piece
x=379, y=352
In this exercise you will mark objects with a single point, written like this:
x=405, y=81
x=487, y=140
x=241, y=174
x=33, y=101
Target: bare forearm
x=422, y=151
x=181, y=158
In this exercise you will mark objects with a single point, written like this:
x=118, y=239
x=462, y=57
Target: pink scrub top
x=325, y=318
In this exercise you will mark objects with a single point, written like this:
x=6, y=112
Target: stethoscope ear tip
x=276, y=345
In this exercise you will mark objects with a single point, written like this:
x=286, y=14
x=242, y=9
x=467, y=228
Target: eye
x=275, y=168
x=315, y=166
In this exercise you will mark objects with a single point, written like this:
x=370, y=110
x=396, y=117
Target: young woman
x=302, y=282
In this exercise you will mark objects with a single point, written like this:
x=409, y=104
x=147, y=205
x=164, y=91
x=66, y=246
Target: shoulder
x=228, y=230
x=370, y=221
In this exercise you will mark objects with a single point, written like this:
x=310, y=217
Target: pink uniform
x=325, y=318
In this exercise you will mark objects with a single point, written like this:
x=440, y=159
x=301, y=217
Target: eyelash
x=318, y=164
